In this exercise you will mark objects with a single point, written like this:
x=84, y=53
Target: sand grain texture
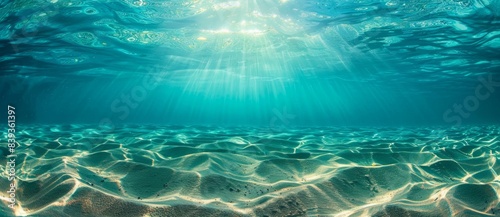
x=75, y=170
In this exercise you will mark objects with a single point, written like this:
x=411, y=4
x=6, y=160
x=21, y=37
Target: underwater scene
x=249, y=108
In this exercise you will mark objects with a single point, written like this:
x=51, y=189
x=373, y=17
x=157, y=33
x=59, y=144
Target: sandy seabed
x=77, y=170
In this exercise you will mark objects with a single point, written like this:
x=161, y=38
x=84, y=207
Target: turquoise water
x=235, y=62
x=251, y=108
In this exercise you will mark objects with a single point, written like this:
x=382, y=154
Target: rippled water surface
x=251, y=108
x=234, y=62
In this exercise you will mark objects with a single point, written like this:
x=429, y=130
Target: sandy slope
x=75, y=170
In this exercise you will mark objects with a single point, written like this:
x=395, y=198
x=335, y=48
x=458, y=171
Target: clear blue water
x=252, y=108
x=236, y=62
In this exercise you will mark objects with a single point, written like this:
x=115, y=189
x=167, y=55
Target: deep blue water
x=251, y=62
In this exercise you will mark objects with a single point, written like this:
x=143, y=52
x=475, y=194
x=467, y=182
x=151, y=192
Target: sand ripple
x=77, y=170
